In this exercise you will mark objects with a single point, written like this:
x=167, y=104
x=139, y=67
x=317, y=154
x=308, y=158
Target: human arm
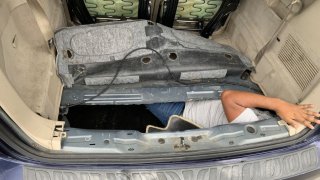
x=235, y=102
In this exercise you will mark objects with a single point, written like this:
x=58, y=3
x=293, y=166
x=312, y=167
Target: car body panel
x=276, y=164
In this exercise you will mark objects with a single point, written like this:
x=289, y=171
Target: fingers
x=306, y=120
x=301, y=118
x=300, y=115
x=292, y=123
x=295, y=123
x=317, y=121
x=308, y=124
x=306, y=106
x=312, y=113
x=310, y=118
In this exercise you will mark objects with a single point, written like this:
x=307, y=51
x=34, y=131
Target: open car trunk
x=99, y=77
x=111, y=70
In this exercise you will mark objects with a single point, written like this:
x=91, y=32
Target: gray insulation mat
x=110, y=42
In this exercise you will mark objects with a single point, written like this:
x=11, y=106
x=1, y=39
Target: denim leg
x=163, y=111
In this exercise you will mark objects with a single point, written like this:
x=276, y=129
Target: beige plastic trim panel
x=292, y=131
x=43, y=131
x=251, y=27
x=42, y=21
x=28, y=80
x=24, y=55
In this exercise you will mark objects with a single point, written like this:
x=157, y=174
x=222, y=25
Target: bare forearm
x=235, y=102
x=252, y=100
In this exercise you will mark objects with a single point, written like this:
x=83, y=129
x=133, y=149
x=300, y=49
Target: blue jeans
x=163, y=111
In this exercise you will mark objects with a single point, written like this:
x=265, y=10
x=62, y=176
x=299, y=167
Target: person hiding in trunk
x=235, y=107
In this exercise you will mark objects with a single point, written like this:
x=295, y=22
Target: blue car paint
x=12, y=169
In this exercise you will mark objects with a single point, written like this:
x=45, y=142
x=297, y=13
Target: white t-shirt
x=210, y=113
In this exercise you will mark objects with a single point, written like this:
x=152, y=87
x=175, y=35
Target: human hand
x=294, y=114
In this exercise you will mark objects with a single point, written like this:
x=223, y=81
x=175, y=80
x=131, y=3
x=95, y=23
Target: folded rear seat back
x=95, y=51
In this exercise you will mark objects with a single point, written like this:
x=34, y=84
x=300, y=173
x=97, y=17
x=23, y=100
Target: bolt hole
x=194, y=139
x=251, y=129
x=161, y=141
x=229, y=56
x=129, y=134
x=92, y=144
x=106, y=141
x=68, y=54
x=146, y=60
x=173, y=56
x=231, y=142
x=245, y=75
x=131, y=149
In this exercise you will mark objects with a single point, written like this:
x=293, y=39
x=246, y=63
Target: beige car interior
x=31, y=90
